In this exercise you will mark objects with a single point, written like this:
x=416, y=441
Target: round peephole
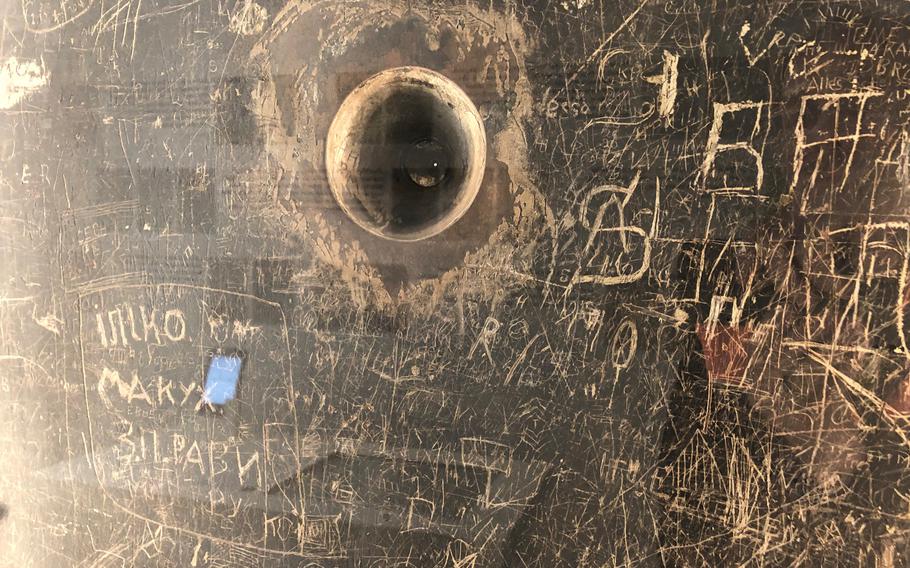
x=405, y=154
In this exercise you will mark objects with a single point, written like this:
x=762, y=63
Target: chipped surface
x=18, y=78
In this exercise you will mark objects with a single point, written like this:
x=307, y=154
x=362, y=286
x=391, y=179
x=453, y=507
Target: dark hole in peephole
x=426, y=162
x=413, y=159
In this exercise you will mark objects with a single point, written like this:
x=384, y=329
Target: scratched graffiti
x=671, y=329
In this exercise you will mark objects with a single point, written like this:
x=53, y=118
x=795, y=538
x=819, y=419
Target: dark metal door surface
x=464, y=284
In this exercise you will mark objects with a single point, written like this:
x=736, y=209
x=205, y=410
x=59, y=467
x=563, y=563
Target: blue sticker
x=221, y=379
